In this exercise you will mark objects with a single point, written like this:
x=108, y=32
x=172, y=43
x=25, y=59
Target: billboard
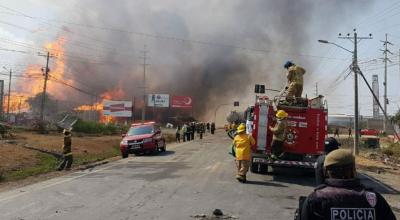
x=117, y=108
x=181, y=102
x=158, y=100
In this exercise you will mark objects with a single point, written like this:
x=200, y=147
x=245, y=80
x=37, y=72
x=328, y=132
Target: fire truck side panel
x=305, y=134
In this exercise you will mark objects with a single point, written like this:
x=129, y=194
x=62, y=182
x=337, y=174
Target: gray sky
x=261, y=36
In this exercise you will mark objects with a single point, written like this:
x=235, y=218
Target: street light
x=354, y=68
x=327, y=42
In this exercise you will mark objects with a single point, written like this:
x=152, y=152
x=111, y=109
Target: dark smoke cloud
x=210, y=73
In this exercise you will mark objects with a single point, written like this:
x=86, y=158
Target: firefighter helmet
x=241, y=128
x=281, y=114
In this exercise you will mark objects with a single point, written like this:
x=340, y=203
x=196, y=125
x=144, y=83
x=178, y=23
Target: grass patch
x=83, y=159
x=46, y=164
x=92, y=127
x=392, y=150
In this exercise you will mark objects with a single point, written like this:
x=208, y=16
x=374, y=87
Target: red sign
x=182, y=102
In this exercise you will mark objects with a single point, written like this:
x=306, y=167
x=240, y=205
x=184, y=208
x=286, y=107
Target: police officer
x=331, y=144
x=342, y=196
x=67, y=151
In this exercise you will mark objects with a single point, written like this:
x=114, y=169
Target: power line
x=170, y=38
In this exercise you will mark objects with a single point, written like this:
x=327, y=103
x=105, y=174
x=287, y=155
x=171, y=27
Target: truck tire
x=259, y=168
x=124, y=154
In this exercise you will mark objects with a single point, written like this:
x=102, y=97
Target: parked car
x=142, y=138
x=367, y=131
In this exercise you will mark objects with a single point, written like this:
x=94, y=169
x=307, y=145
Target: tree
x=50, y=104
x=396, y=118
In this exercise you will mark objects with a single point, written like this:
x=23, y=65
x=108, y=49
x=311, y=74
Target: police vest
x=344, y=203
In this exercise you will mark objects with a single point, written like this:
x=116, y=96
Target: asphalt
x=188, y=181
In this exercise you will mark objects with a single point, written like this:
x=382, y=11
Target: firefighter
x=67, y=151
x=342, y=196
x=331, y=144
x=242, y=143
x=295, y=80
x=279, y=134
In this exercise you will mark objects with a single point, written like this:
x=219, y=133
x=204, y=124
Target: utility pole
x=316, y=89
x=9, y=93
x=46, y=77
x=385, y=59
x=145, y=64
x=355, y=39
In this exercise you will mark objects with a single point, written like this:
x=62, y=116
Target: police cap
x=339, y=158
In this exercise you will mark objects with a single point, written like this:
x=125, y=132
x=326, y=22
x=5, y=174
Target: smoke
x=211, y=73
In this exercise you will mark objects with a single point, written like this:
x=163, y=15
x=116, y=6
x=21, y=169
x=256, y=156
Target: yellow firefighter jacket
x=295, y=75
x=243, y=143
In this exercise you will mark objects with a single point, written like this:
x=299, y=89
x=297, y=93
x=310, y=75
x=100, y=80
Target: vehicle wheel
x=124, y=154
x=259, y=168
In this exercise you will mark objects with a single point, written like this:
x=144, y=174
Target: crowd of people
x=187, y=131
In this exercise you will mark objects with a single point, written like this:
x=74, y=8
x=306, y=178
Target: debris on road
x=217, y=214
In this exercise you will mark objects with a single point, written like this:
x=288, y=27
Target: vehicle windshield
x=140, y=130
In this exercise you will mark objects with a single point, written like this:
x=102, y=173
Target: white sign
x=117, y=108
x=158, y=100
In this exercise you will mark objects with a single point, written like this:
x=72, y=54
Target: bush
x=92, y=127
x=392, y=150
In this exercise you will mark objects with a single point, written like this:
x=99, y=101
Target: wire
x=170, y=38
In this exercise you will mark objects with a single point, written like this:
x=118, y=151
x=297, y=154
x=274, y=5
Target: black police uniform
x=345, y=199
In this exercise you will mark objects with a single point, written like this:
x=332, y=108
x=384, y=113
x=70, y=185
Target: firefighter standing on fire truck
x=67, y=151
x=242, y=143
x=279, y=134
x=295, y=80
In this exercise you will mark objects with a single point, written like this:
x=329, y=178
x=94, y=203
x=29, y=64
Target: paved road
x=189, y=179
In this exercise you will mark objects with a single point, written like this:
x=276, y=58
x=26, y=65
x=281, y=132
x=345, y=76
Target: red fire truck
x=307, y=128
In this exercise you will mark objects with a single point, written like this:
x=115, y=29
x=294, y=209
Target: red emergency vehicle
x=307, y=128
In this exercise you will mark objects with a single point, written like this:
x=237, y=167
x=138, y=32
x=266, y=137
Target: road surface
x=190, y=179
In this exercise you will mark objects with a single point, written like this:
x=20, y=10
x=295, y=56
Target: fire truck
x=307, y=128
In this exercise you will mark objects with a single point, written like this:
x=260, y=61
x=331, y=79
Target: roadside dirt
x=80, y=145
x=13, y=157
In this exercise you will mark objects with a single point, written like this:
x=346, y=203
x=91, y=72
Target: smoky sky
x=219, y=71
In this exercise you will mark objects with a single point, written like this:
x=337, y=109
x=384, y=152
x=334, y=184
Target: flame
x=32, y=81
x=18, y=103
x=115, y=94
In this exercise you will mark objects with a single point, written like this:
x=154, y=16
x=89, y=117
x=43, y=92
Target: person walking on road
x=242, y=144
x=279, y=134
x=350, y=135
x=212, y=128
x=67, y=151
x=178, y=134
x=188, y=132
x=193, y=130
x=343, y=196
x=183, y=132
x=208, y=127
x=330, y=145
x=336, y=133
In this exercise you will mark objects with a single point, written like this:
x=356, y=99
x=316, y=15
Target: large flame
x=115, y=94
x=32, y=81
